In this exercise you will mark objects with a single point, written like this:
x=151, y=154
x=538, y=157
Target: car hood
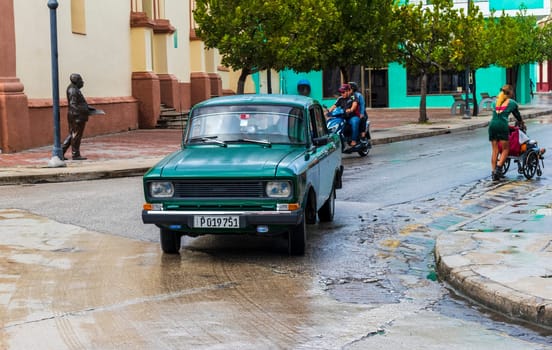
x=232, y=161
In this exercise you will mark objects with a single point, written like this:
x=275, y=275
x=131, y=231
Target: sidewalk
x=503, y=259
x=132, y=153
x=480, y=265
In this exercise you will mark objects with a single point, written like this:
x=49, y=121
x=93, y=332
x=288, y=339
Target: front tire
x=170, y=241
x=326, y=212
x=310, y=209
x=297, y=238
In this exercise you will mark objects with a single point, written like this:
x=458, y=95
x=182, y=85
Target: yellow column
x=160, y=65
x=141, y=43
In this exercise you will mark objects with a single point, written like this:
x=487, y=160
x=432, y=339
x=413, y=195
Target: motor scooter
x=337, y=123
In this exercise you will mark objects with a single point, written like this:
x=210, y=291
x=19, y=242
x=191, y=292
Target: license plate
x=216, y=221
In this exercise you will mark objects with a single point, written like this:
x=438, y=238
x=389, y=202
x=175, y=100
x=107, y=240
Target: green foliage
x=360, y=34
x=544, y=38
x=425, y=35
x=261, y=34
x=300, y=35
x=426, y=40
x=308, y=35
x=469, y=42
x=515, y=40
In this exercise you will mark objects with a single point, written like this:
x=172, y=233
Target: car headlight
x=161, y=189
x=278, y=189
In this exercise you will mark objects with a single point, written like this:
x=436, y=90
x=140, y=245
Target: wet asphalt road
x=79, y=270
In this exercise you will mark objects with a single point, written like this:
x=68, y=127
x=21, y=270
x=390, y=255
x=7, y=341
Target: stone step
x=174, y=114
x=172, y=119
x=165, y=108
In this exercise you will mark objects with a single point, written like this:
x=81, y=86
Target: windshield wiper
x=259, y=142
x=209, y=139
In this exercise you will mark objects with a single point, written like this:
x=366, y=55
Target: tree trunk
x=515, y=72
x=423, y=95
x=344, y=74
x=268, y=81
x=474, y=90
x=241, y=81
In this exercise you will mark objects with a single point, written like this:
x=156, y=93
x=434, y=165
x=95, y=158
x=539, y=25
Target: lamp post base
x=55, y=162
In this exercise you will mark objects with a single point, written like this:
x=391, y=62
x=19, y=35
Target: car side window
x=318, y=121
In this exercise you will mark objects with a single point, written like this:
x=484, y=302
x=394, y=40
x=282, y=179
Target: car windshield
x=246, y=123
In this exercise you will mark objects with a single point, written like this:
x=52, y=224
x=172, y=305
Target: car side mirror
x=320, y=141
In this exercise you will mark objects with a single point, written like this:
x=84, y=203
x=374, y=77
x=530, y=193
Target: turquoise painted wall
x=289, y=79
x=489, y=80
x=523, y=91
x=257, y=81
x=500, y=5
x=398, y=97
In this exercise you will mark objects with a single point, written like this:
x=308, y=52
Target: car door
x=325, y=154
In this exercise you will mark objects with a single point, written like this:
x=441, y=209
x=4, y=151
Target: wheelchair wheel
x=530, y=165
x=506, y=166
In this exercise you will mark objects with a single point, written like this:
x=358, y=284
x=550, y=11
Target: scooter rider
x=364, y=131
x=349, y=104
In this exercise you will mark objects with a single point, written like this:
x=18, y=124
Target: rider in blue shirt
x=349, y=103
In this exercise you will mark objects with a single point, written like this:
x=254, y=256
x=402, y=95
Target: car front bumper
x=246, y=218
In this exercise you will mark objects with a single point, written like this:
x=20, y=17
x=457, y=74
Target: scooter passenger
x=349, y=104
x=364, y=131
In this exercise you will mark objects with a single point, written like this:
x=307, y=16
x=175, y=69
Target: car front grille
x=219, y=189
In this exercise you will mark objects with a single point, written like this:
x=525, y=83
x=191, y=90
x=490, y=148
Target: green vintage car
x=249, y=164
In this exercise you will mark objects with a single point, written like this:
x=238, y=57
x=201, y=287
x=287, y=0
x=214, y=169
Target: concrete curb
x=72, y=176
x=404, y=134
x=460, y=274
x=78, y=172
x=459, y=254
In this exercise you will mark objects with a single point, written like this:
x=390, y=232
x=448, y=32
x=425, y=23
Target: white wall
x=102, y=56
x=178, y=13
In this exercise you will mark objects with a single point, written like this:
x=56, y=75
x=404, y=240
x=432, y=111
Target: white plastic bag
x=523, y=137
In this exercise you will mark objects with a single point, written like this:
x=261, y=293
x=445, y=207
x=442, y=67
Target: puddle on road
x=457, y=306
x=444, y=222
x=544, y=212
x=359, y=292
x=73, y=288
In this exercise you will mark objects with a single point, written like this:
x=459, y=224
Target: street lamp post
x=467, y=114
x=57, y=154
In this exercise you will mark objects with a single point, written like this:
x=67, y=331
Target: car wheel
x=297, y=238
x=170, y=241
x=310, y=210
x=326, y=213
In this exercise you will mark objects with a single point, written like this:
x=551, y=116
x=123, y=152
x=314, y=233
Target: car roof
x=275, y=99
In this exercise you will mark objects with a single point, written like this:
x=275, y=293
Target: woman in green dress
x=499, y=131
